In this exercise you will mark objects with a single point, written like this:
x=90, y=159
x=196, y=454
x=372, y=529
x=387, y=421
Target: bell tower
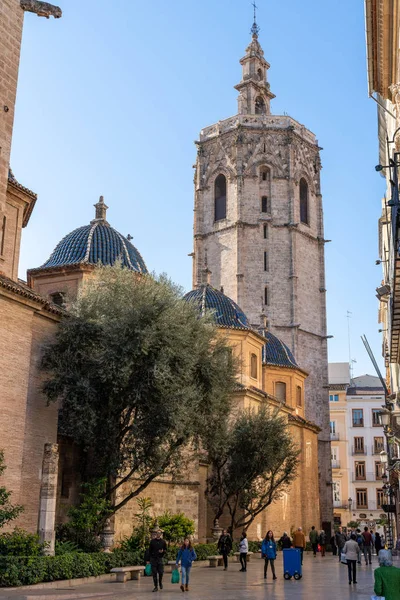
x=254, y=89
x=258, y=218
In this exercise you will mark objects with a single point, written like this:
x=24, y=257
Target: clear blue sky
x=112, y=96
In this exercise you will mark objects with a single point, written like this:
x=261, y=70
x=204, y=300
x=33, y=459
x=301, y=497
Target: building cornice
x=382, y=20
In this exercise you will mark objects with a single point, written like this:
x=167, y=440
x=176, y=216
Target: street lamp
x=385, y=418
x=383, y=457
x=350, y=501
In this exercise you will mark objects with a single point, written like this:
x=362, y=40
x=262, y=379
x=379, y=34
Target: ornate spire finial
x=101, y=210
x=206, y=271
x=255, y=28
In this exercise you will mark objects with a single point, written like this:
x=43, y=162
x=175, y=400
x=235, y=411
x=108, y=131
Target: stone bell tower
x=258, y=218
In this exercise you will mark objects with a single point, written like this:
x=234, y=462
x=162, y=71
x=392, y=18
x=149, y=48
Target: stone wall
x=234, y=247
x=26, y=423
x=11, y=21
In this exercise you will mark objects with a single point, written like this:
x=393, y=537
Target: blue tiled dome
x=275, y=352
x=226, y=312
x=94, y=243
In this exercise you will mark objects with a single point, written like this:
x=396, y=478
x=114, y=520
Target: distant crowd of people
x=350, y=546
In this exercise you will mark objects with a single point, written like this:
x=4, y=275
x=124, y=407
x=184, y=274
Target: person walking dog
x=157, y=549
x=268, y=552
x=186, y=555
x=225, y=547
x=243, y=549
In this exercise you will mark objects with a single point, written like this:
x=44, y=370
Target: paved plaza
x=323, y=578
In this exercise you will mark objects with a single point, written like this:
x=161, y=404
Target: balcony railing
x=335, y=464
x=360, y=451
x=366, y=477
x=334, y=436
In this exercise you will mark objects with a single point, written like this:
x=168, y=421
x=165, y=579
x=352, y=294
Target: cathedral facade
x=258, y=223
x=245, y=161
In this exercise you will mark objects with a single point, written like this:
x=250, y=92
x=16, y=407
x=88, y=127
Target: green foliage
x=93, y=510
x=8, y=511
x=20, y=543
x=17, y=571
x=140, y=377
x=175, y=527
x=66, y=547
x=86, y=541
x=253, y=461
x=353, y=524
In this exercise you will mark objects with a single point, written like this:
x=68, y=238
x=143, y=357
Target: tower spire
x=255, y=28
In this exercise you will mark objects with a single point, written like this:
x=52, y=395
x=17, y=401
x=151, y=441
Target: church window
x=2, y=235
x=265, y=232
x=280, y=391
x=266, y=296
x=298, y=396
x=265, y=205
x=264, y=173
x=265, y=147
x=220, y=198
x=259, y=74
x=260, y=106
x=304, y=201
x=253, y=366
x=266, y=266
x=58, y=298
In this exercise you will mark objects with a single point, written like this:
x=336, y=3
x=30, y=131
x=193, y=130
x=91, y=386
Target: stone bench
x=237, y=556
x=122, y=572
x=215, y=561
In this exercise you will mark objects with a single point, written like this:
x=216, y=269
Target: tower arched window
x=280, y=391
x=298, y=396
x=259, y=74
x=260, y=106
x=264, y=174
x=304, y=217
x=220, y=198
x=253, y=366
x=58, y=298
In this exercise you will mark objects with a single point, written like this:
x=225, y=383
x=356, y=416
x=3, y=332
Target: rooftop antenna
x=255, y=28
x=349, y=313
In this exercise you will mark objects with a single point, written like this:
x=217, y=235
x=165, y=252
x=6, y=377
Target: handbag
x=147, y=570
x=343, y=558
x=175, y=576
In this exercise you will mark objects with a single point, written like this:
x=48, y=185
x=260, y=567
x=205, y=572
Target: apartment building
x=357, y=439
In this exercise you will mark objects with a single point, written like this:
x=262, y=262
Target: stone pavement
x=323, y=579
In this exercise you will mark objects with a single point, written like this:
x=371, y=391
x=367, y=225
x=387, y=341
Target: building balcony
x=359, y=451
x=335, y=437
x=335, y=464
x=367, y=477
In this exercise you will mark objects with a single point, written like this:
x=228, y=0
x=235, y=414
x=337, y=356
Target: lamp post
x=350, y=502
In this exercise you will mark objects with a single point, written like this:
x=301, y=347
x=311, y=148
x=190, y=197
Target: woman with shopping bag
x=186, y=555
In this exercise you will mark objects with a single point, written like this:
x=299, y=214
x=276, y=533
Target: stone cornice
x=24, y=295
x=382, y=34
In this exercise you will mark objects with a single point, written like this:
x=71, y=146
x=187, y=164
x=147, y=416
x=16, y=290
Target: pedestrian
x=333, y=545
x=373, y=541
x=186, y=555
x=157, y=549
x=225, y=547
x=299, y=541
x=268, y=552
x=322, y=541
x=243, y=549
x=340, y=541
x=313, y=537
x=351, y=551
x=378, y=543
x=387, y=577
x=367, y=545
x=360, y=542
x=285, y=541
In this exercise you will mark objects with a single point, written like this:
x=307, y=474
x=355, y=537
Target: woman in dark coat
x=378, y=543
